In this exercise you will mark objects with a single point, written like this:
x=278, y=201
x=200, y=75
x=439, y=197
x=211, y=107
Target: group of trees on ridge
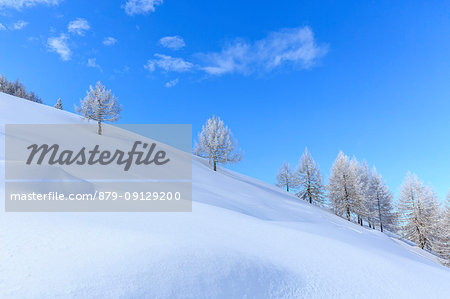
x=17, y=89
x=358, y=193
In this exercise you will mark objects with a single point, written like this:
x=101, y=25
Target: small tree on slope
x=216, y=143
x=418, y=211
x=100, y=105
x=309, y=180
x=285, y=178
x=343, y=186
x=361, y=204
x=59, y=105
x=380, y=201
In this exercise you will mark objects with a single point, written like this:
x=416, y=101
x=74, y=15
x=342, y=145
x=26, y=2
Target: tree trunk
x=381, y=227
x=215, y=165
x=348, y=213
x=99, y=128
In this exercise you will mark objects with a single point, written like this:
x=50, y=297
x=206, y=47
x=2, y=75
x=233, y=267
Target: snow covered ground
x=244, y=239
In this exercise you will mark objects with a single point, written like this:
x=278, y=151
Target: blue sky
x=371, y=78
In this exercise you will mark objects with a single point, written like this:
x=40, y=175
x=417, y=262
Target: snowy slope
x=244, y=238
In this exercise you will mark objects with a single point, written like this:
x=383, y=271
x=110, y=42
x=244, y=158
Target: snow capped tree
x=379, y=203
x=418, y=211
x=285, y=178
x=3, y=83
x=442, y=244
x=309, y=179
x=361, y=205
x=216, y=143
x=343, y=186
x=59, y=105
x=100, y=105
x=10, y=89
x=19, y=90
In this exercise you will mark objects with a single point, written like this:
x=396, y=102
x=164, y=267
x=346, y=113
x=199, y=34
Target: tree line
x=359, y=194
x=17, y=89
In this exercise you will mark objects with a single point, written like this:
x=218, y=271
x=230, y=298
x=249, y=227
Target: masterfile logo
x=53, y=156
x=72, y=168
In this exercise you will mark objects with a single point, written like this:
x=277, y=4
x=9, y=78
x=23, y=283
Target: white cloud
x=2, y=27
x=171, y=83
x=19, y=25
x=172, y=42
x=78, y=26
x=19, y=4
x=59, y=45
x=92, y=62
x=168, y=64
x=295, y=46
x=109, y=41
x=136, y=7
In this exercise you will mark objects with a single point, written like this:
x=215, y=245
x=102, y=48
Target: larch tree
x=361, y=204
x=343, y=186
x=59, y=105
x=418, y=211
x=442, y=244
x=286, y=179
x=216, y=143
x=309, y=180
x=100, y=105
x=380, y=204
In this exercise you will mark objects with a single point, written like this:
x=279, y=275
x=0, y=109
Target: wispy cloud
x=19, y=4
x=295, y=46
x=92, y=62
x=2, y=27
x=109, y=41
x=171, y=83
x=140, y=7
x=59, y=45
x=172, y=42
x=19, y=25
x=168, y=64
x=78, y=26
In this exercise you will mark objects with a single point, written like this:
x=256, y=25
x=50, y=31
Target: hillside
x=244, y=238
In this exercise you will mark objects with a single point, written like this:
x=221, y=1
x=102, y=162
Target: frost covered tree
x=418, y=212
x=10, y=88
x=361, y=204
x=343, y=187
x=379, y=203
x=100, y=105
x=3, y=83
x=216, y=143
x=309, y=180
x=285, y=178
x=19, y=90
x=442, y=244
x=59, y=105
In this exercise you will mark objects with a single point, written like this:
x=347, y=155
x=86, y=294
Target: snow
x=244, y=238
